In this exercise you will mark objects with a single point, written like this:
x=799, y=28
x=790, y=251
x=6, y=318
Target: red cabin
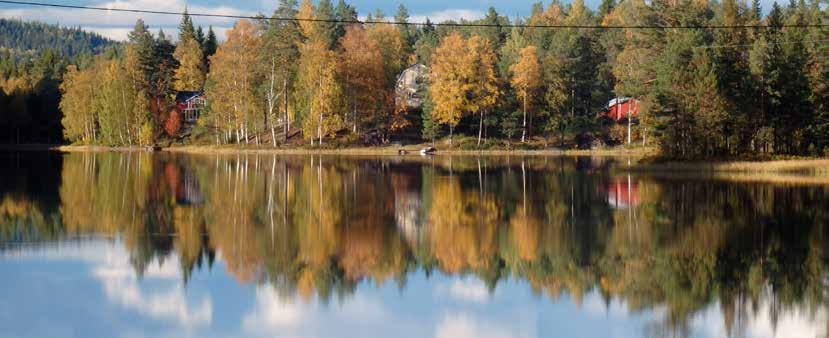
x=190, y=104
x=618, y=109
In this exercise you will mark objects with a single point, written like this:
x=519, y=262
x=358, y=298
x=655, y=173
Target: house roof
x=185, y=96
x=616, y=101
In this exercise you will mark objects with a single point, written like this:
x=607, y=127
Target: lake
x=167, y=245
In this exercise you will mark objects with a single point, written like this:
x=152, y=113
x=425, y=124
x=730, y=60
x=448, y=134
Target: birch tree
x=232, y=92
x=526, y=80
x=451, y=81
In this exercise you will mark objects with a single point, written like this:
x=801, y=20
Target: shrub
x=145, y=135
x=173, y=123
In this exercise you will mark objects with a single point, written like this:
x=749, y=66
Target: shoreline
x=412, y=150
x=805, y=167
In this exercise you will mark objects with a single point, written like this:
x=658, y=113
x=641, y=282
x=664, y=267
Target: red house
x=618, y=109
x=190, y=104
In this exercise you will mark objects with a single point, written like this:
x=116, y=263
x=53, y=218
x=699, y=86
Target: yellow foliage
x=452, y=80
x=190, y=73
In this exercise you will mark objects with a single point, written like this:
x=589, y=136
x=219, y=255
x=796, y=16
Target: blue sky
x=117, y=25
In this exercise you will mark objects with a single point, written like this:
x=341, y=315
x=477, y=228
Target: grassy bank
x=798, y=166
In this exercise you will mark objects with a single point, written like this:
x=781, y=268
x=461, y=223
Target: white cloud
x=281, y=315
x=466, y=326
x=448, y=14
x=110, y=262
x=121, y=286
x=274, y=313
x=468, y=290
x=791, y=323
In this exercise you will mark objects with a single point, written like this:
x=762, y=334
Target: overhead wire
x=439, y=24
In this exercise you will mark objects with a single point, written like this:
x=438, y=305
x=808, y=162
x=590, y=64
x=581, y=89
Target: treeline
x=730, y=82
x=36, y=37
x=33, y=58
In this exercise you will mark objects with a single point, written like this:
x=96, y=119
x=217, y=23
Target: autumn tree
x=526, y=80
x=487, y=89
x=363, y=74
x=451, y=81
x=79, y=123
x=393, y=58
x=318, y=79
x=231, y=92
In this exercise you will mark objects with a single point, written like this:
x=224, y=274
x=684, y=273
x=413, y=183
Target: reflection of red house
x=618, y=109
x=183, y=184
x=622, y=193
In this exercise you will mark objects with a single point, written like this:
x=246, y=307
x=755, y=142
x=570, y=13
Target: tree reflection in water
x=318, y=226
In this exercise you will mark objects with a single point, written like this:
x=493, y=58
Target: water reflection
x=501, y=247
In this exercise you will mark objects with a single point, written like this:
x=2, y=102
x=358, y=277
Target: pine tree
x=733, y=76
x=408, y=33
x=606, y=7
x=162, y=78
x=144, y=46
x=493, y=32
x=211, y=43
x=344, y=12
x=325, y=26
x=185, y=28
x=190, y=74
x=200, y=37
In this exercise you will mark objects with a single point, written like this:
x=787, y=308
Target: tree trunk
x=451, y=130
x=524, y=127
x=629, y=122
x=319, y=129
x=480, y=128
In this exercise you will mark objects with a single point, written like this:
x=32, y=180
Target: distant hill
x=22, y=37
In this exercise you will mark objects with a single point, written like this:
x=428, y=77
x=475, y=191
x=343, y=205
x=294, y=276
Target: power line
x=765, y=44
x=441, y=24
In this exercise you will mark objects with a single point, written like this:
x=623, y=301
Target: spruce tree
x=326, y=25
x=344, y=12
x=209, y=46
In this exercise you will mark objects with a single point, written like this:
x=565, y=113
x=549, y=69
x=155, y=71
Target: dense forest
x=33, y=58
x=714, y=79
x=35, y=37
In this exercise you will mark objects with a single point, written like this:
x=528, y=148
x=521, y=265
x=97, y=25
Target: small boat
x=428, y=151
x=402, y=152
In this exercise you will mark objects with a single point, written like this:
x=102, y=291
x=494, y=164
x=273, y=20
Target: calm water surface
x=141, y=245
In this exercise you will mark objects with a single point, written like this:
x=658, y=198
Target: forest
x=33, y=58
x=713, y=79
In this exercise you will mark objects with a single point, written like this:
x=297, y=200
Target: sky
x=117, y=25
